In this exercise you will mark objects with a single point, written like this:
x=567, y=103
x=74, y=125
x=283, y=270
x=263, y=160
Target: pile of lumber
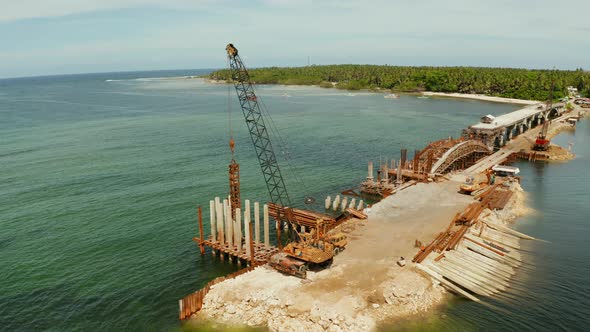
x=476, y=257
x=356, y=213
x=494, y=197
x=499, y=199
x=470, y=215
x=483, y=264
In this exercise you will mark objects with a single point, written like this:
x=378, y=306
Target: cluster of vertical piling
x=343, y=204
x=392, y=174
x=436, y=158
x=236, y=234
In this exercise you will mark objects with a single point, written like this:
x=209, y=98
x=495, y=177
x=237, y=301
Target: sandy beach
x=481, y=97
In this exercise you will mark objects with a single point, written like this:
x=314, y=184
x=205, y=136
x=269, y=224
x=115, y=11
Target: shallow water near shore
x=550, y=290
x=100, y=176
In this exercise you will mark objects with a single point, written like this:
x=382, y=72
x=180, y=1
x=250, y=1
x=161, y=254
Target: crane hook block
x=231, y=50
x=232, y=145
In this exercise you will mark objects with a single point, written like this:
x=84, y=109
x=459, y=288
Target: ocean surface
x=101, y=174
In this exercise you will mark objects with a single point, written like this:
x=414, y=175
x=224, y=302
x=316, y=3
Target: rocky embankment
x=280, y=307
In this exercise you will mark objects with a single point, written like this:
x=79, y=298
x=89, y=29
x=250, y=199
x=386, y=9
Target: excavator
x=308, y=253
x=303, y=250
x=479, y=181
x=312, y=249
x=542, y=143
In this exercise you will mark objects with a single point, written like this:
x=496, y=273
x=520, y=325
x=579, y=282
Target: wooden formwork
x=261, y=252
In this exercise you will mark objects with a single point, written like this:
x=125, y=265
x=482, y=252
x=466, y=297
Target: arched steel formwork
x=460, y=156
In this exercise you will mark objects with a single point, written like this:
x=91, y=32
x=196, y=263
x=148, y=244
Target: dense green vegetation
x=502, y=82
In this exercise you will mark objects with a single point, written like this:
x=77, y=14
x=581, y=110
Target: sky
x=45, y=37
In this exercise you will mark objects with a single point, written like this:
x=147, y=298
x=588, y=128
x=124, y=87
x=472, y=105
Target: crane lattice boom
x=257, y=128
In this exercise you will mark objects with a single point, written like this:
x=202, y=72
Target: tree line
x=531, y=84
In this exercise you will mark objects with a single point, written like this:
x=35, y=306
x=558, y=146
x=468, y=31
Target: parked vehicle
x=288, y=265
x=339, y=241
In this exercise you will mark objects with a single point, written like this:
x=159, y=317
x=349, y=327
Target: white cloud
x=13, y=10
x=285, y=32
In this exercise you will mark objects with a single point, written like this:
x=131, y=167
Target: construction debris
x=477, y=257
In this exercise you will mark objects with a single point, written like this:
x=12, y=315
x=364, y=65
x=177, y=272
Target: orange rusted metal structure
x=436, y=158
x=308, y=219
x=234, y=187
x=260, y=252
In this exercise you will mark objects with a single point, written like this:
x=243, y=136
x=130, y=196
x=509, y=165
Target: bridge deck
x=509, y=119
x=497, y=158
x=521, y=142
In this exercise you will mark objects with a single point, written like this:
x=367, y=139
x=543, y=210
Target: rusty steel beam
x=416, y=165
x=251, y=244
x=234, y=187
x=201, y=245
x=404, y=155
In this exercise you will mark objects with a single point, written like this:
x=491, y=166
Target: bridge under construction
x=497, y=131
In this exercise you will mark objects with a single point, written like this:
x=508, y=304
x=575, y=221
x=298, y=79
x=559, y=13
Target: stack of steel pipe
x=306, y=218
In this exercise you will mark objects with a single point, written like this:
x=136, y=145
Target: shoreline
x=481, y=97
x=455, y=95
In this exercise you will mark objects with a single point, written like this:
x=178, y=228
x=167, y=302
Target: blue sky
x=42, y=37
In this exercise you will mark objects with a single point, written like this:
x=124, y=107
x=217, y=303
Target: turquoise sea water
x=101, y=174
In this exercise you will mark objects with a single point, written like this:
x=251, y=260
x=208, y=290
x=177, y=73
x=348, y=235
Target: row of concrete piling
x=237, y=233
x=343, y=204
x=226, y=227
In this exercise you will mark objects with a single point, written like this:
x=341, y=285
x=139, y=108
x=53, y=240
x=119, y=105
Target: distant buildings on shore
x=573, y=92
